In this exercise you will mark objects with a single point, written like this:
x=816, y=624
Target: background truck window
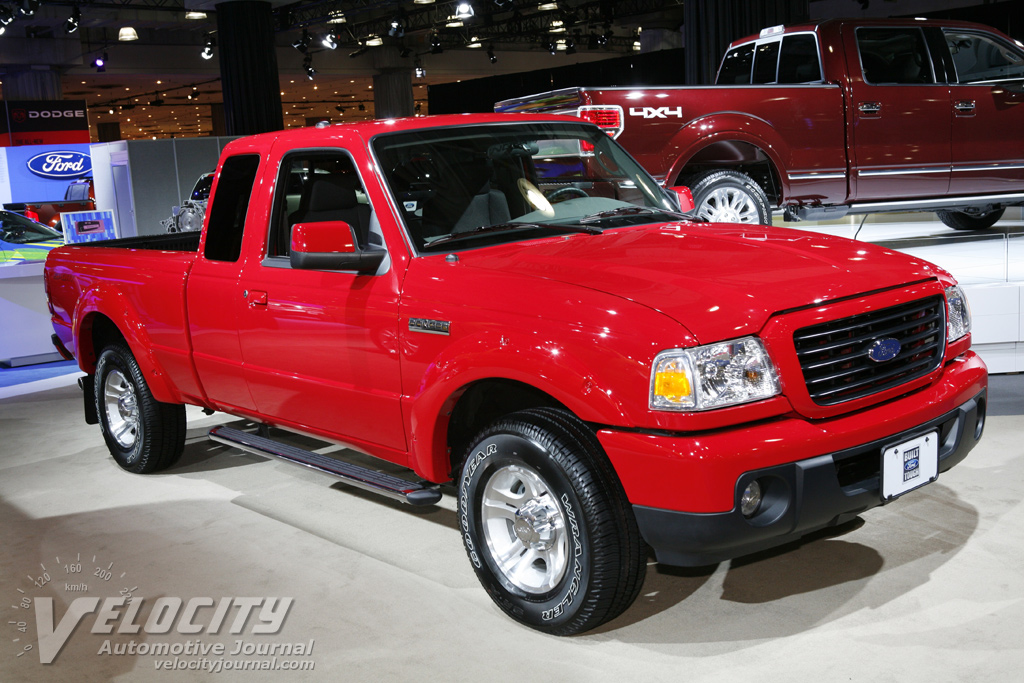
x=894, y=56
x=981, y=58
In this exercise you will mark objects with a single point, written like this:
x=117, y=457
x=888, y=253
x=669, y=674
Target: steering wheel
x=558, y=194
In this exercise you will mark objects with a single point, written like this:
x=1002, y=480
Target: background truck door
x=987, y=105
x=900, y=138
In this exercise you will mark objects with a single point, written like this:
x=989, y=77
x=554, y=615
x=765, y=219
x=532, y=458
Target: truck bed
x=178, y=241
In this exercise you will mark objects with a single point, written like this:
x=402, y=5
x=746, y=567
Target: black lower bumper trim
x=799, y=497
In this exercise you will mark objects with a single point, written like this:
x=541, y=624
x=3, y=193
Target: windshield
x=461, y=188
x=16, y=229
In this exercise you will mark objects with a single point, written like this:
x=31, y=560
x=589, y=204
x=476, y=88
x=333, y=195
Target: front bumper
x=801, y=496
x=819, y=473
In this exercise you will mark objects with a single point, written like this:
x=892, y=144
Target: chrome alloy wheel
x=728, y=205
x=122, y=408
x=524, y=526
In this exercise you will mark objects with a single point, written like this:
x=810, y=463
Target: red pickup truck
x=819, y=120
x=509, y=303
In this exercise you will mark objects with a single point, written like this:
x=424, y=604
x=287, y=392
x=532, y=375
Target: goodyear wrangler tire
x=143, y=434
x=546, y=524
x=729, y=197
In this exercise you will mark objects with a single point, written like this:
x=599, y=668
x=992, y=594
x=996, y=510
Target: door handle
x=964, y=107
x=869, y=107
x=255, y=298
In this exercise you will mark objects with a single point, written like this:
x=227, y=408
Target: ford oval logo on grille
x=884, y=349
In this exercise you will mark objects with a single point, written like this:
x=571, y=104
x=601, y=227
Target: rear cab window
x=894, y=56
x=787, y=60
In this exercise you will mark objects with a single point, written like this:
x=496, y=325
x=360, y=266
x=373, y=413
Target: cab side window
x=313, y=187
x=894, y=56
x=980, y=58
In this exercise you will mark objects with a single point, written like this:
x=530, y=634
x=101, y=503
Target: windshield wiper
x=634, y=210
x=513, y=225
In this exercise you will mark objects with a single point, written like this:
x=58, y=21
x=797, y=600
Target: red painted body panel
x=577, y=317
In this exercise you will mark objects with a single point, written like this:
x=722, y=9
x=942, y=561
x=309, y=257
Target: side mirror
x=331, y=245
x=685, y=198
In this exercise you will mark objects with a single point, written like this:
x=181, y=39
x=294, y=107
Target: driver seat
x=486, y=207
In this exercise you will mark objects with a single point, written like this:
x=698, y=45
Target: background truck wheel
x=729, y=197
x=143, y=434
x=547, y=525
x=958, y=220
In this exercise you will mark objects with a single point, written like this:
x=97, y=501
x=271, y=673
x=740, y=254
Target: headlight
x=958, y=314
x=712, y=376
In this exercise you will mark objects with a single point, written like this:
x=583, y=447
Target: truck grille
x=834, y=355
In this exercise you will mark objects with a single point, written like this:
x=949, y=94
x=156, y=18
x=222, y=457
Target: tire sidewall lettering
x=556, y=606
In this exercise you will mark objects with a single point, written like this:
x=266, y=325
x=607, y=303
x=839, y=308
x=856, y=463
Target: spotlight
x=71, y=25
x=435, y=44
x=405, y=52
x=490, y=54
x=28, y=7
x=551, y=47
x=6, y=16
x=207, y=52
x=194, y=95
x=329, y=41
x=570, y=47
x=419, y=70
x=341, y=109
x=419, y=107
x=361, y=107
x=100, y=63
x=359, y=51
x=302, y=44
x=464, y=11
x=156, y=103
x=396, y=27
x=307, y=64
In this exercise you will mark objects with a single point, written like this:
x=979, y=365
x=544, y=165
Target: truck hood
x=720, y=281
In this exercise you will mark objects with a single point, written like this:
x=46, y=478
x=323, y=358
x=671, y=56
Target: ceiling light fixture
x=195, y=14
x=374, y=41
x=337, y=17
x=329, y=41
x=127, y=34
x=490, y=54
x=474, y=42
x=464, y=10
x=547, y=6
x=396, y=27
x=71, y=25
x=207, y=52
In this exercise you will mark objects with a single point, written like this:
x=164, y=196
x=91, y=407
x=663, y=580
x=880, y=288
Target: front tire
x=729, y=197
x=958, y=220
x=143, y=434
x=546, y=524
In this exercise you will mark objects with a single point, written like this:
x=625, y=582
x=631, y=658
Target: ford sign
x=884, y=349
x=60, y=165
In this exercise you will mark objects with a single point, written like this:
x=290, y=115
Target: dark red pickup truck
x=510, y=304
x=824, y=119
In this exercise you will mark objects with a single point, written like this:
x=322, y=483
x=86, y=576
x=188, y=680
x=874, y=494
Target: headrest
x=331, y=193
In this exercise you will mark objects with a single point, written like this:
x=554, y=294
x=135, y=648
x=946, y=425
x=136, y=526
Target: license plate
x=909, y=465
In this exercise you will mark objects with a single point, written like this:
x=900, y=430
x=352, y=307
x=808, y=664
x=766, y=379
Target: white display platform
x=25, y=327
x=989, y=264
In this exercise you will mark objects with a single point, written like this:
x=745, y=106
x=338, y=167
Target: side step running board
x=414, y=493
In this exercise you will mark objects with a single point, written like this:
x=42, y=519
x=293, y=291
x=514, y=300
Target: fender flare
x=728, y=126
x=109, y=302
x=484, y=357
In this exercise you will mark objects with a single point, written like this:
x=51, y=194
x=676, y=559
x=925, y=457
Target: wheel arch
x=737, y=141
x=96, y=328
